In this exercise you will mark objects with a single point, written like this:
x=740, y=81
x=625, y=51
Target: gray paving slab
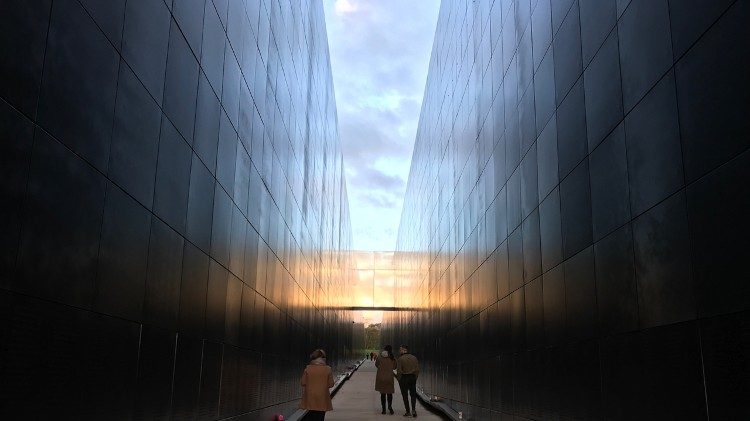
x=357, y=400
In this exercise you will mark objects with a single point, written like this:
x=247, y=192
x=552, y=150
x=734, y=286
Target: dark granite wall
x=175, y=218
x=575, y=233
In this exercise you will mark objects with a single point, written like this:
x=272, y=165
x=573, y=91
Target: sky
x=380, y=53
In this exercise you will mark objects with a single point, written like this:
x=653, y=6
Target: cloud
x=369, y=138
x=343, y=7
x=380, y=52
x=380, y=200
x=374, y=179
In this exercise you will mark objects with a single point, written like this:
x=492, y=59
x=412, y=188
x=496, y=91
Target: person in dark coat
x=407, y=371
x=385, y=363
x=316, y=381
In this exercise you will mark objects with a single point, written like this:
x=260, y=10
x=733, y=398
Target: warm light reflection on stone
x=376, y=281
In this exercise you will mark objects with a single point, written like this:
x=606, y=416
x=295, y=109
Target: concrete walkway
x=358, y=400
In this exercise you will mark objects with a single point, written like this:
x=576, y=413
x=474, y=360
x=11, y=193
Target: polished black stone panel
x=222, y=226
x=187, y=375
x=575, y=211
x=156, y=364
x=597, y=20
x=512, y=133
x=210, y=382
x=567, y=52
x=135, y=139
x=123, y=256
x=534, y=313
x=655, y=372
x=109, y=16
x=714, y=129
x=560, y=10
x=181, y=84
x=725, y=341
x=238, y=234
x=582, y=382
x=517, y=310
x=653, y=147
x=173, y=171
x=645, y=48
x=57, y=358
x=621, y=6
x=79, y=84
x=514, y=199
x=603, y=92
x=529, y=183
x=207, y=113
x=233, y=307
x=61, y=226
x=532, y=256
x=662, y=263
x=553, y=294
x=546, y=150
x=515, y=259
x=544, y=93
x=580, y=295
x=690, y=21
x=229, y=402
x=22, y=48
x=189, y=17
x=216, y=297
x=541, y=30
x=571, y=130
x=161, y=303
x=550, y=231
x=200, y=205
x=230, y=95
x=716, y=232
x=17, y=137
x=212, y=50
x=145, y=42
x=502, y=270
x=616, y=291
x=608, y=170
x=527, y=119
x=176, y=224
x=226, y=155
x=621, y=282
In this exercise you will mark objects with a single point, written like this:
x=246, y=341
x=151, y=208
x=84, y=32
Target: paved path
x=357, y=400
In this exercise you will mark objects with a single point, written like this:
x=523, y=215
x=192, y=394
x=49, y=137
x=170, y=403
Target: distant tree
x=372, y=336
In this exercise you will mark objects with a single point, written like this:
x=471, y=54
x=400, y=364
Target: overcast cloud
x=380, y=52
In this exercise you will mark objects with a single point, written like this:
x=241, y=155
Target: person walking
x=385, y=363
x=407, y=371
x=316, y=381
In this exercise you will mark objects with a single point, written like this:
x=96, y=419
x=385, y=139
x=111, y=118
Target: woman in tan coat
x=385, y=363
x=316, y=381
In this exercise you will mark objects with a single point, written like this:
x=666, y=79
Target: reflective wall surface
x=575, y=226
x=175, y=218
x=373, y=281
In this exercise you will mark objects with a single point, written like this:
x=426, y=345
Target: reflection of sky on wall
x=375, y=282
x=380, y=52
